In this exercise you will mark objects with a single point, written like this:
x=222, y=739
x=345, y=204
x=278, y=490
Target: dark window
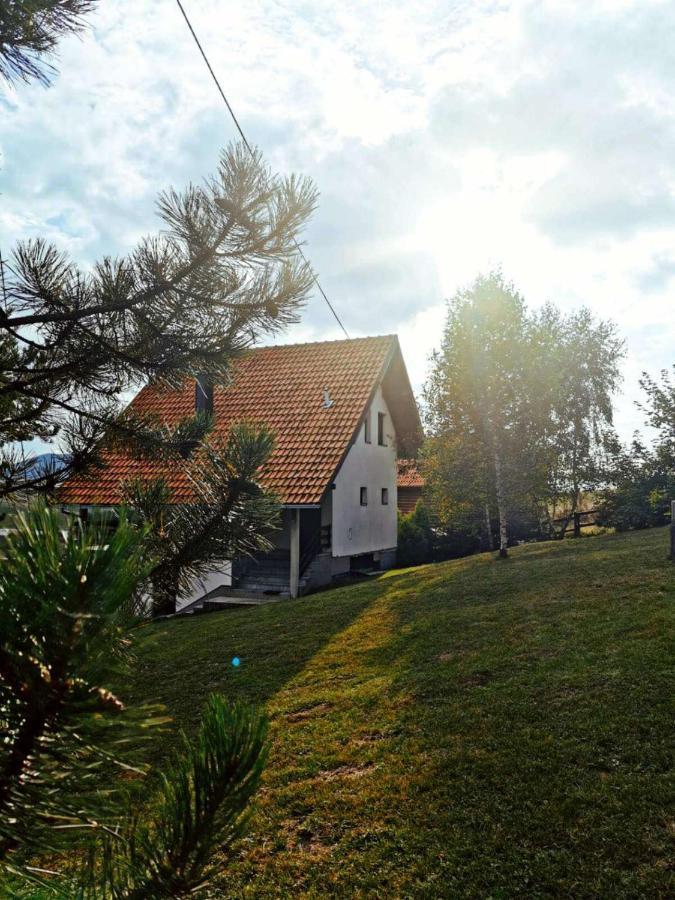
x=204, y=395
x=380, y=429
x=364, y=496
x=385, y=496
x=366, y=428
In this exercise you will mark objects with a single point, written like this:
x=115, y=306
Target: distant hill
x=46, y=462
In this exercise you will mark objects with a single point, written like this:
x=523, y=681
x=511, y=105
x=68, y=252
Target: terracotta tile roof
x=408, y=474
x=281, y=386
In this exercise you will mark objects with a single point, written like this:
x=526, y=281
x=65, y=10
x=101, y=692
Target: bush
x=635, y=506
x=643, y=486
x=415, y=537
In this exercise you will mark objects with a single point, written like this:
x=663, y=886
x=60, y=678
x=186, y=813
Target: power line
x=250, y=150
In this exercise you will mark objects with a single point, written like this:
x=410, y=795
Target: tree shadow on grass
x=427, y=746
x=537, y=713
x=247, y=654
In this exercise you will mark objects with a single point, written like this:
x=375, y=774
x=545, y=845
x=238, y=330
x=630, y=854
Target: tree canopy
x=518, y=406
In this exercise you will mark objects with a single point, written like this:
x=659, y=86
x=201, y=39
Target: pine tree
x=65, y=611
x=229, y=516
x=224, y=272
x=30, y=31
x=200, y=808
x=66, y=607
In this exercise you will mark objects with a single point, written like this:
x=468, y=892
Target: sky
x=445, y=138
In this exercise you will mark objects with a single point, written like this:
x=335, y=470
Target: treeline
x=519, y=422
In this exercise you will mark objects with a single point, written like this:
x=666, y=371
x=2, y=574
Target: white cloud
x=444, y=137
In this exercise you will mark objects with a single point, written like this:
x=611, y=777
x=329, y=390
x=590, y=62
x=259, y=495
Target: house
x=342, y=411
x=410, y=485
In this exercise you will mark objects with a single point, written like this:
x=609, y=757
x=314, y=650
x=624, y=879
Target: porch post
x=295, y=551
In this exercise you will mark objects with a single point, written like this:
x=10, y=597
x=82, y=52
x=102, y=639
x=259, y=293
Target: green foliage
x=200, y=807
x=223, y=273
x=230, y=514
x=518, y=411
x=29, y=32
x=65, y=610
x=580, y=378
x=660, y=406
x=66, y=606
x=421, y=542
x=483, y=413
x=413, y=547
x=641, y=478
x=643, y=484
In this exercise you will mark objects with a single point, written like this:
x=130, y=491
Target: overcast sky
x=444, y=138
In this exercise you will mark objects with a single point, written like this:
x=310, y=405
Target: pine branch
x=222, y=274
x=65, y=604
x=29, y=32
x=200, y=808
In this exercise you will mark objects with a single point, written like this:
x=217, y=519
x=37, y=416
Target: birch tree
x=519, y=407
x=477, y=396
x=580, y=378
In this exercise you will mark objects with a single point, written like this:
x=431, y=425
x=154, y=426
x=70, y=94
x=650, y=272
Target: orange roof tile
x=408, y=474
x=281, y=386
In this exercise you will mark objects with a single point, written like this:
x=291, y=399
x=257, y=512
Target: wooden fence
x=576, y=521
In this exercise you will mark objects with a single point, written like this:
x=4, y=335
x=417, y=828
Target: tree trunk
x=501, y=506
x=488, y=528
x=575, y=487
x=164, y=592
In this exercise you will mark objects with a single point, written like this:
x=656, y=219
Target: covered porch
x=290, y=569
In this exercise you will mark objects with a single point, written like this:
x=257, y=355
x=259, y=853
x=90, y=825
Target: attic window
x=204, y=395
x=366, y=428
x=364, y=496
x=380, y=429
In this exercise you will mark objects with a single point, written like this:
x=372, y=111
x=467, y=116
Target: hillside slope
x=470, y=729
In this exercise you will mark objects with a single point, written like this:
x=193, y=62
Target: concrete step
x=245, y=583
x=231, y=598
x=217, y=603
x=254, y=584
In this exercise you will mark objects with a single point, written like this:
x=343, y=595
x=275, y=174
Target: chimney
x=204, y=395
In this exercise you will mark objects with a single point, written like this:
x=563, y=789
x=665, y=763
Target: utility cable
x=250, y=150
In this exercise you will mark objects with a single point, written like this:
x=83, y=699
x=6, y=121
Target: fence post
x=672, y=530
x=577, y=524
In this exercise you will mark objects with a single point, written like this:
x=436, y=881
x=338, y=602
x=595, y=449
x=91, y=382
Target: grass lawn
x=477, y=728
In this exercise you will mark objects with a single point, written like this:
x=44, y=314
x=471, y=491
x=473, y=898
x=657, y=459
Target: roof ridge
x=367, y=337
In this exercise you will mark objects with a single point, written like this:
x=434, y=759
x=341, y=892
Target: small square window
x=366, y=428
x=385, y=496
x=364, y=496
x=380, y=429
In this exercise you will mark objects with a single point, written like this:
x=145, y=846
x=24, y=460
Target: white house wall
x=364, y=529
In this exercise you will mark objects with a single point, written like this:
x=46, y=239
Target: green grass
x=477, y=728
